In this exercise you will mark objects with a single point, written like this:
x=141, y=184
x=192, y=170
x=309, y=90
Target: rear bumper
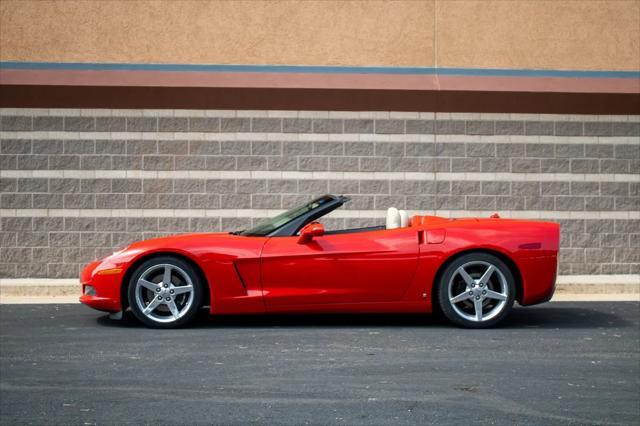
x=538, y=279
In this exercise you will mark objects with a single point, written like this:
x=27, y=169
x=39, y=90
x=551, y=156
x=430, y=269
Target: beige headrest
x=393, y=218
x=404, y=219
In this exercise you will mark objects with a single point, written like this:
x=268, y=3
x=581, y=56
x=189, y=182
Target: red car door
x=374, y=266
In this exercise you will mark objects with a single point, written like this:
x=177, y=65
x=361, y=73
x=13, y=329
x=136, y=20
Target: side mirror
x=314, y=229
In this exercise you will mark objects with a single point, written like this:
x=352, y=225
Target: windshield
x=267, y=226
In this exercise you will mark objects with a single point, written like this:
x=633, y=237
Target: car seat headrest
x=393, y=218
x=404, y=219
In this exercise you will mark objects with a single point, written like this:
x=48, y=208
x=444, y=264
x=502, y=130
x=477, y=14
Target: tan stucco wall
x=510, y=34
x=239, y=32
x=548, y=34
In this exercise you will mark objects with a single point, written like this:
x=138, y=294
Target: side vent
x=235, y=267
x=435, y=236
x=432, y=236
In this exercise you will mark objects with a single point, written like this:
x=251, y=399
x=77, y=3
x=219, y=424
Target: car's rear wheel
x=165, y=292
x=476, y=290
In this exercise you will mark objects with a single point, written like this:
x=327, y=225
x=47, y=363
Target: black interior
x=294, y=227
x=354, y=230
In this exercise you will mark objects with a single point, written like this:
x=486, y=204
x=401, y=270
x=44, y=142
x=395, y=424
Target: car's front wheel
x=165, y=292
x=476, y=290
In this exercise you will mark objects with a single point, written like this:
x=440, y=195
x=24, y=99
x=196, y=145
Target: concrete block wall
x=77, y=184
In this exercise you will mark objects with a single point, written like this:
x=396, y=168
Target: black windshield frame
x=290, y=222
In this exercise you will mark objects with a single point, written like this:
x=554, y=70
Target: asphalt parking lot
x=559, y=363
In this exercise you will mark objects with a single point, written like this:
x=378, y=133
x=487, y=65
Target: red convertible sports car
x=472, y=269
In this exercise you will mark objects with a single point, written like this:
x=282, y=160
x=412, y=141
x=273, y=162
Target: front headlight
x=110, y=271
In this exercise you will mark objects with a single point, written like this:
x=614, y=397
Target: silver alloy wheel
x=478, y=291
x=164, y=293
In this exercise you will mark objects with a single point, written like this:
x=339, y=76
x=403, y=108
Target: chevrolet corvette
x=470, y=269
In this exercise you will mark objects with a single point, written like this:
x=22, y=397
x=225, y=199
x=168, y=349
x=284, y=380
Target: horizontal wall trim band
x=485, y=101
x=258, y=213
x=103, y=112
x=513, y=72
x=599, y=279
x=319, y=137
x=221, y=174
x=295, y=80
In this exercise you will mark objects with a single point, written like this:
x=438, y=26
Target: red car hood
x=180, y=239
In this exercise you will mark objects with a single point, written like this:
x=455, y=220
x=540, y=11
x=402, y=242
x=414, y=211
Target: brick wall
x=77, y=184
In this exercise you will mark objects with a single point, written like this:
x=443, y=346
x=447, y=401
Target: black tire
x=187, y=303
x=500, y=284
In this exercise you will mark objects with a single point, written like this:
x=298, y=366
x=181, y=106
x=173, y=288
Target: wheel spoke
x=148, y=284
x=487, y=274
x=477, y=304
x=166, y=278
x=459, y=298
x=151, y=306
x=495, y=295
x=465, y=276
x=182, y=289
x=174, y=309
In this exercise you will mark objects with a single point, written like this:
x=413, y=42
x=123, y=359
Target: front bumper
x=105, y=304
x=106, y=280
